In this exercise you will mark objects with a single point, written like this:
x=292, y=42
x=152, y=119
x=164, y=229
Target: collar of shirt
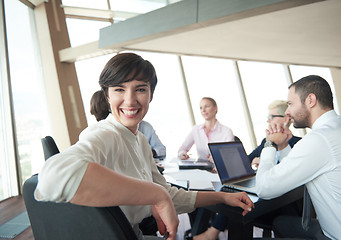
x=123, y=129
x=324, y=118
x=202, y=126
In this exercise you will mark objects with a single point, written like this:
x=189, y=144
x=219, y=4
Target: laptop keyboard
x=247, y=183
x=228, y=189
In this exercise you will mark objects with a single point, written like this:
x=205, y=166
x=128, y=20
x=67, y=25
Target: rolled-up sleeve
x=59, y=179
x=61, y=175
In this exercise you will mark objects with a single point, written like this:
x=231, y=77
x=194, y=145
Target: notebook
x=233, y=166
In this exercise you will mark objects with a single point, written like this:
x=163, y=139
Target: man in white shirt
x=314, y=161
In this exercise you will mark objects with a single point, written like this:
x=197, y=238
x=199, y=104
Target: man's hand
x=255, y=163
x=166, y=218
x=240, y=199
x=279, y=133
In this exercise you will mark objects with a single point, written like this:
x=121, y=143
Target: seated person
x=100, y=109
x=210, y=131
x=276, y=112
x=158, y=149
x=90, y=171
x=315, y=161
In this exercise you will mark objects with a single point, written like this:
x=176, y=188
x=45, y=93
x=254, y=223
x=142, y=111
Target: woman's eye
x=118, y=90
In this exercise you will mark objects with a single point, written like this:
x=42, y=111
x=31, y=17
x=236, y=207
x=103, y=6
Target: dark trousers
x=291, y=226
x=293, y=209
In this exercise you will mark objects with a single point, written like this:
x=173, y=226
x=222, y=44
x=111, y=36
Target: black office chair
x=66, y=221
x=49, y=146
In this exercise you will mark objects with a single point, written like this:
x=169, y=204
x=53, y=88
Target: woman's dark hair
x=99, y=106
x=316, y=85
x=126, y=67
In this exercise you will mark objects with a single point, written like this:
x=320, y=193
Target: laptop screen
x=231, y=161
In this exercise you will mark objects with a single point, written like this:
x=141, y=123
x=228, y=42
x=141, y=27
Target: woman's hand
x=166, y=218
x=183, y=156
x=210, y=158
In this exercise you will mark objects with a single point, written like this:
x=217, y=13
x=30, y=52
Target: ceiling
x=307, y=34
x=304, y=32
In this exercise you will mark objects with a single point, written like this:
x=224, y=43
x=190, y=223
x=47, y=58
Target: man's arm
x=157, y=146
x=240, y=199
x=304, y=162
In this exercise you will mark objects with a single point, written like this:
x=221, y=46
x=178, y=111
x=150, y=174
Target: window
x=31, y=114
x=263, y=83
x=88, y=72
x=209, y=77
x=168, y=112
x=84, y=31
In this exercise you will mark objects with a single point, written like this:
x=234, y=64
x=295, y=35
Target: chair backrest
x=67, y=221
x=49, y=146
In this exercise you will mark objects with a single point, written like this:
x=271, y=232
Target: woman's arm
x=186, y=145
x=100, y=186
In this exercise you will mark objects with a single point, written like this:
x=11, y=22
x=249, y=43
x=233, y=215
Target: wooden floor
x=10, y=208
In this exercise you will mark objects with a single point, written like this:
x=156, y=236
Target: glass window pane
x=5, y=172
x=298, y=72
x=98, y=4
x=136, y=6
x=209, y=77
x=84, y=31
x=88, y=77
x=263, y=83
x=31, y=113
x=168, y=112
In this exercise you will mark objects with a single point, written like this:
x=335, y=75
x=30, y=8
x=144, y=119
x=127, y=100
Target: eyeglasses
x=272, y=116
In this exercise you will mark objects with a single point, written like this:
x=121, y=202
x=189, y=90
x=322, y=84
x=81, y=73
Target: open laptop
x=233, y=166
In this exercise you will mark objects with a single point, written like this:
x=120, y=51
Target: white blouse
x=110, y=144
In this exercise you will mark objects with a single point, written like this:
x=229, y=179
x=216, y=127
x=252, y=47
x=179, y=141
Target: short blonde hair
x=280, y=105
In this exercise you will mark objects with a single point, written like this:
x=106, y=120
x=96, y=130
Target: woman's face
x=207, y=109
x=275, y=117
x=129, y=103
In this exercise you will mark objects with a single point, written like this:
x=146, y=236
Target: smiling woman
x=128, y=81
x=129, y=103
x=90, y=171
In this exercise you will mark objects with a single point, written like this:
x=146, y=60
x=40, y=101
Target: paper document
x=198, y=179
